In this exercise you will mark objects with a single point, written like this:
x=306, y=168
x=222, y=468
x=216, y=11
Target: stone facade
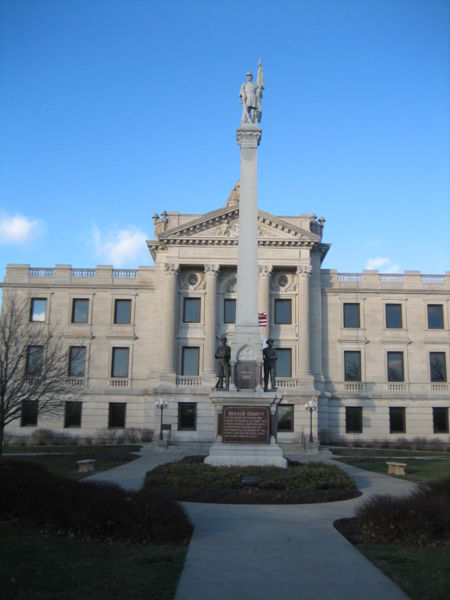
x=370, y=373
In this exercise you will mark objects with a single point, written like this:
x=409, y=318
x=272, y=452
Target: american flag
x=262, y=319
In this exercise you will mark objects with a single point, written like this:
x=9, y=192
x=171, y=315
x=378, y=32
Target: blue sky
x=113, y=110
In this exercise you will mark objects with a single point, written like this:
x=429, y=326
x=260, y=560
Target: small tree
x=33, y=365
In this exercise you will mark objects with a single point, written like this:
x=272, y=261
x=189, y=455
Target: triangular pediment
x=223, y=224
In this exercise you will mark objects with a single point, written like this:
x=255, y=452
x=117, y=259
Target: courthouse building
x=371, y=349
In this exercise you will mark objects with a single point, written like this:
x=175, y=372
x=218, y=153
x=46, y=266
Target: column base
x=254, y=455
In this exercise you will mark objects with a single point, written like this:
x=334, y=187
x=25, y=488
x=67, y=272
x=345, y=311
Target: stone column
x=303, y=273
x=265, y=271
x=170, y=318
x=211, y=273
x=316, y=316
x=247, y=332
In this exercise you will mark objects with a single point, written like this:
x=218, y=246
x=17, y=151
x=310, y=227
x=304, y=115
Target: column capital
x=171, y=269
x=212, y=270
x=265, y=270
x=248, y=136
x=304, y=271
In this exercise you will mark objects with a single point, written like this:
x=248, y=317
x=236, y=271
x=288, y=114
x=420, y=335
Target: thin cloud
x=120, y=247
x=382, y=263
x=19, y=229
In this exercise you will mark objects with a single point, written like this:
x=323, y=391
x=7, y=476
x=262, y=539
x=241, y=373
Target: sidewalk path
x=282, y=552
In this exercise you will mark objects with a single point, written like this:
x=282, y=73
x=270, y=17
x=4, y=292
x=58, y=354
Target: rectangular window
x=187, y=416
x=122, y=312
x=395, y=369
x=283, y=368
x=435, y=316
x=77, y=359
x=191, y=310
x=116, y=415
x=80, y=309
x=397, y=419
x=119, y=367
x=353, y=419
x=351, y=315
x=394, y=316
x=37, y=309
x=190, y=361
x=285, y=417
x=438, y=369
x=72, y=414
x=229, y=310
x=440, y=420
x=34, y=360
x=283, y=312
x=29, y=416
x=352, y=365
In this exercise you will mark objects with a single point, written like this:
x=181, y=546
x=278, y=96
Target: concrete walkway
x=282, y=552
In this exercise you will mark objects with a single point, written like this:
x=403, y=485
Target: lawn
x=417, y=470
x=52, y=567
x=62, y=460
x=192, y=480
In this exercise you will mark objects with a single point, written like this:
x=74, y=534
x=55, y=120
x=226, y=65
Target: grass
x=62, y=460
x=422, y=573
x=192, y=480
x=56, y=568
x=418, y=471
x=390, y=452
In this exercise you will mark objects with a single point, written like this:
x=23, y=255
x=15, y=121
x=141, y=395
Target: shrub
x=421, y=518
x=33, y=497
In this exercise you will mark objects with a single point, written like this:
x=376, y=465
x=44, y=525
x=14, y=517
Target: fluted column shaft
x=265, y=272
x=170, y=315
x=211, y=273
x=303, y=273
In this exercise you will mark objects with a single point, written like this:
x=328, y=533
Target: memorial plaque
x=246, y=424
x=247, y=373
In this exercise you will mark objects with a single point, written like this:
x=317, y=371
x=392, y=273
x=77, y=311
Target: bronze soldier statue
x=222, y=355
x=270, y=365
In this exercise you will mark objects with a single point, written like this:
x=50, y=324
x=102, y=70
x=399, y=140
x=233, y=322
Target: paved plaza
x=279, y=552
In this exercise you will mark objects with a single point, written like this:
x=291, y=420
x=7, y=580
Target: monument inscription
x=247, y=372
x=246, y=424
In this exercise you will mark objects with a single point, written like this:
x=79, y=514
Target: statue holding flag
x=250, y=97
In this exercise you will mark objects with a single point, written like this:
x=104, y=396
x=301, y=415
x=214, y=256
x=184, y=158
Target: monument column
x=170, y=316
x=303, y=273
x=265, y=271
x=211, y=274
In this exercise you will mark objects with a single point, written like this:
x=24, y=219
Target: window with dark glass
x=229, y=310
x=284, y=361
x=37, y=309
x=191, y=310
x=397, y=422
x=29, y=415
x=352, y=365
x=395, y=369
x=119, y=367
x=440, y=419
x=116, y=415
x=438, y=369
x=435, y=316
x=283, y=312
x=122, y=312
x=34, y=360
x=77, y=358
x=394, y=316
x=187, y=416
x=285, y=417
x=351, y=315
x=353, y=419
x=72, y=414
x=80, y=309
x=190, y=360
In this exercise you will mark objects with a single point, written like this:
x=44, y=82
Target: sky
x=112, y=110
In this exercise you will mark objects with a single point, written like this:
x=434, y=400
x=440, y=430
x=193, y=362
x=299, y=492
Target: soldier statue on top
x=222, y=356
x=250, y=97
